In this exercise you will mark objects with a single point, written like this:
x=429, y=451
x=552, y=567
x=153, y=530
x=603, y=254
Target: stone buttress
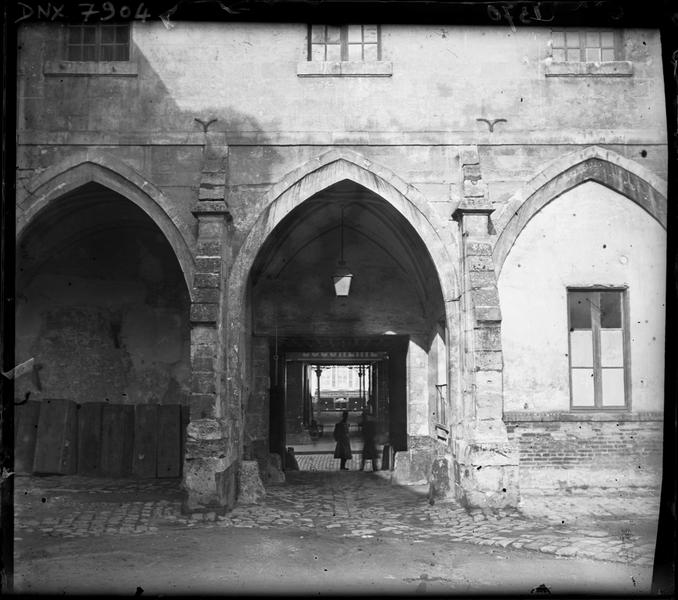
x=486, y=464
x=211, y=439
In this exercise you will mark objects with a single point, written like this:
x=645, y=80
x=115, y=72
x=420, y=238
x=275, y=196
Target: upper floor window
x=598, y=349
x=574, y=45
x=98, y=43
x=344, y=43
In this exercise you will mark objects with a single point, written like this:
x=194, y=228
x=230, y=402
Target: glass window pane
x=592, y=39
x=355, y=52
x=370, y=33
x=318, y=52
x=75, y=53
x=613, y=387
x=610, y=309
x=89, y=34
x=107, y=34
x=558, y=39
x=582, y=387
x=122, y=52
x=371, y=52
x=608, y=54
x=333, y=52
x=122, y=34
x=593, y=54
x=611, y=348
x=317, y=34
x=581, y=348
x=574, y=55
x=572, y=39
x=74, y=35
x=355, y=33
x=579, y=306
x=558, y=54
x=607, y=39
x=107, y=53
x=333, y=34
x=89, y=53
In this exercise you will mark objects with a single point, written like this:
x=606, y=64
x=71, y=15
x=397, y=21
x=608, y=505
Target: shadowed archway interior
x=395, y=287
x=102, y=304
x=395, y=296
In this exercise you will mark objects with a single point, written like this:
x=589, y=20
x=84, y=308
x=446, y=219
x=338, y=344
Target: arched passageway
x=392, y=323
x=102, y=307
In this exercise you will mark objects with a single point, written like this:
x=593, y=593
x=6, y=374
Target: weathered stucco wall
x=589, y=236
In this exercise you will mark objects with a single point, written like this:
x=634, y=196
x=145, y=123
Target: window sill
x=607, y=415
x=616, y=68
x=377, y=68
x=86, y=68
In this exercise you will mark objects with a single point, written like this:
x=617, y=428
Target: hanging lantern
x=342, y=276
x=342, y=280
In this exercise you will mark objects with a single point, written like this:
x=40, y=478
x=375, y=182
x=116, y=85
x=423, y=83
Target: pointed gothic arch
x=46, y=188
x=593, y=163
x=298, y=186
x=320, y=173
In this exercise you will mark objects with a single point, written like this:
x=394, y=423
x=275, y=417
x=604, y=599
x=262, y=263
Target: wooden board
x=25, y=433
x=117, y=440
x=145, y=440
x=56, y=448
x=169, y=440
x=89, y=438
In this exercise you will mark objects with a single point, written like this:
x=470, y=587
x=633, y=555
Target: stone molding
x=95, y=166
x=344, y=68
x=589, y=164
x=90, y=69
x=611, y=68
x=461, y=137
x=570, y=416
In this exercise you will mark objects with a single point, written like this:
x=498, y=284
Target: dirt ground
x=254, y=561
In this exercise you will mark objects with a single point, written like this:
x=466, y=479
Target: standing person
x=369, y=430
x=343, y=449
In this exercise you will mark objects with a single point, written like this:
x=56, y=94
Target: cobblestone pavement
x=349, y=504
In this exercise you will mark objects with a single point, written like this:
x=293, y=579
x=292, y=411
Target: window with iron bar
x=98, y=43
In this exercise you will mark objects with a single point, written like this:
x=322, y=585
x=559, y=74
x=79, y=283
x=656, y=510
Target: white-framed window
x=598, y=348
x=585, y=45
x=102, y=42
x=357, y=43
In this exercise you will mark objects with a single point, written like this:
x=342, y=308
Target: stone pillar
x=486, y=465
x=212, y=449
x=417, y=391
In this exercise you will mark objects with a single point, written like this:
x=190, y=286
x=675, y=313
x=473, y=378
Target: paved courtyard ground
x=589, y=542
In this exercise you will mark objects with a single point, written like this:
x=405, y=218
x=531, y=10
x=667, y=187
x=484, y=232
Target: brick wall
x=558, y=454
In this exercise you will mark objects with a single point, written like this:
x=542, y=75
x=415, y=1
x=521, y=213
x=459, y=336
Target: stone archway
x=312, y=178
x=590, y=164
x=86, y=167
x=589, y=220
x=104, y=309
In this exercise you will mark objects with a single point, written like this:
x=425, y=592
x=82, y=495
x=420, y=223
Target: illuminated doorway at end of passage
x=327, y=392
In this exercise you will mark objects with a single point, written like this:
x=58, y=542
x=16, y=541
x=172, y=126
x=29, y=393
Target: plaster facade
x=231, y=148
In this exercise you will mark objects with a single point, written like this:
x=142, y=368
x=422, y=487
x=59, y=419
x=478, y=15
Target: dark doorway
x=314, y=380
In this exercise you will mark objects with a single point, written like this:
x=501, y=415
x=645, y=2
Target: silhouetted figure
x=315, y=430
x=343, y=448
x=291, y=463
x=369, y=429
